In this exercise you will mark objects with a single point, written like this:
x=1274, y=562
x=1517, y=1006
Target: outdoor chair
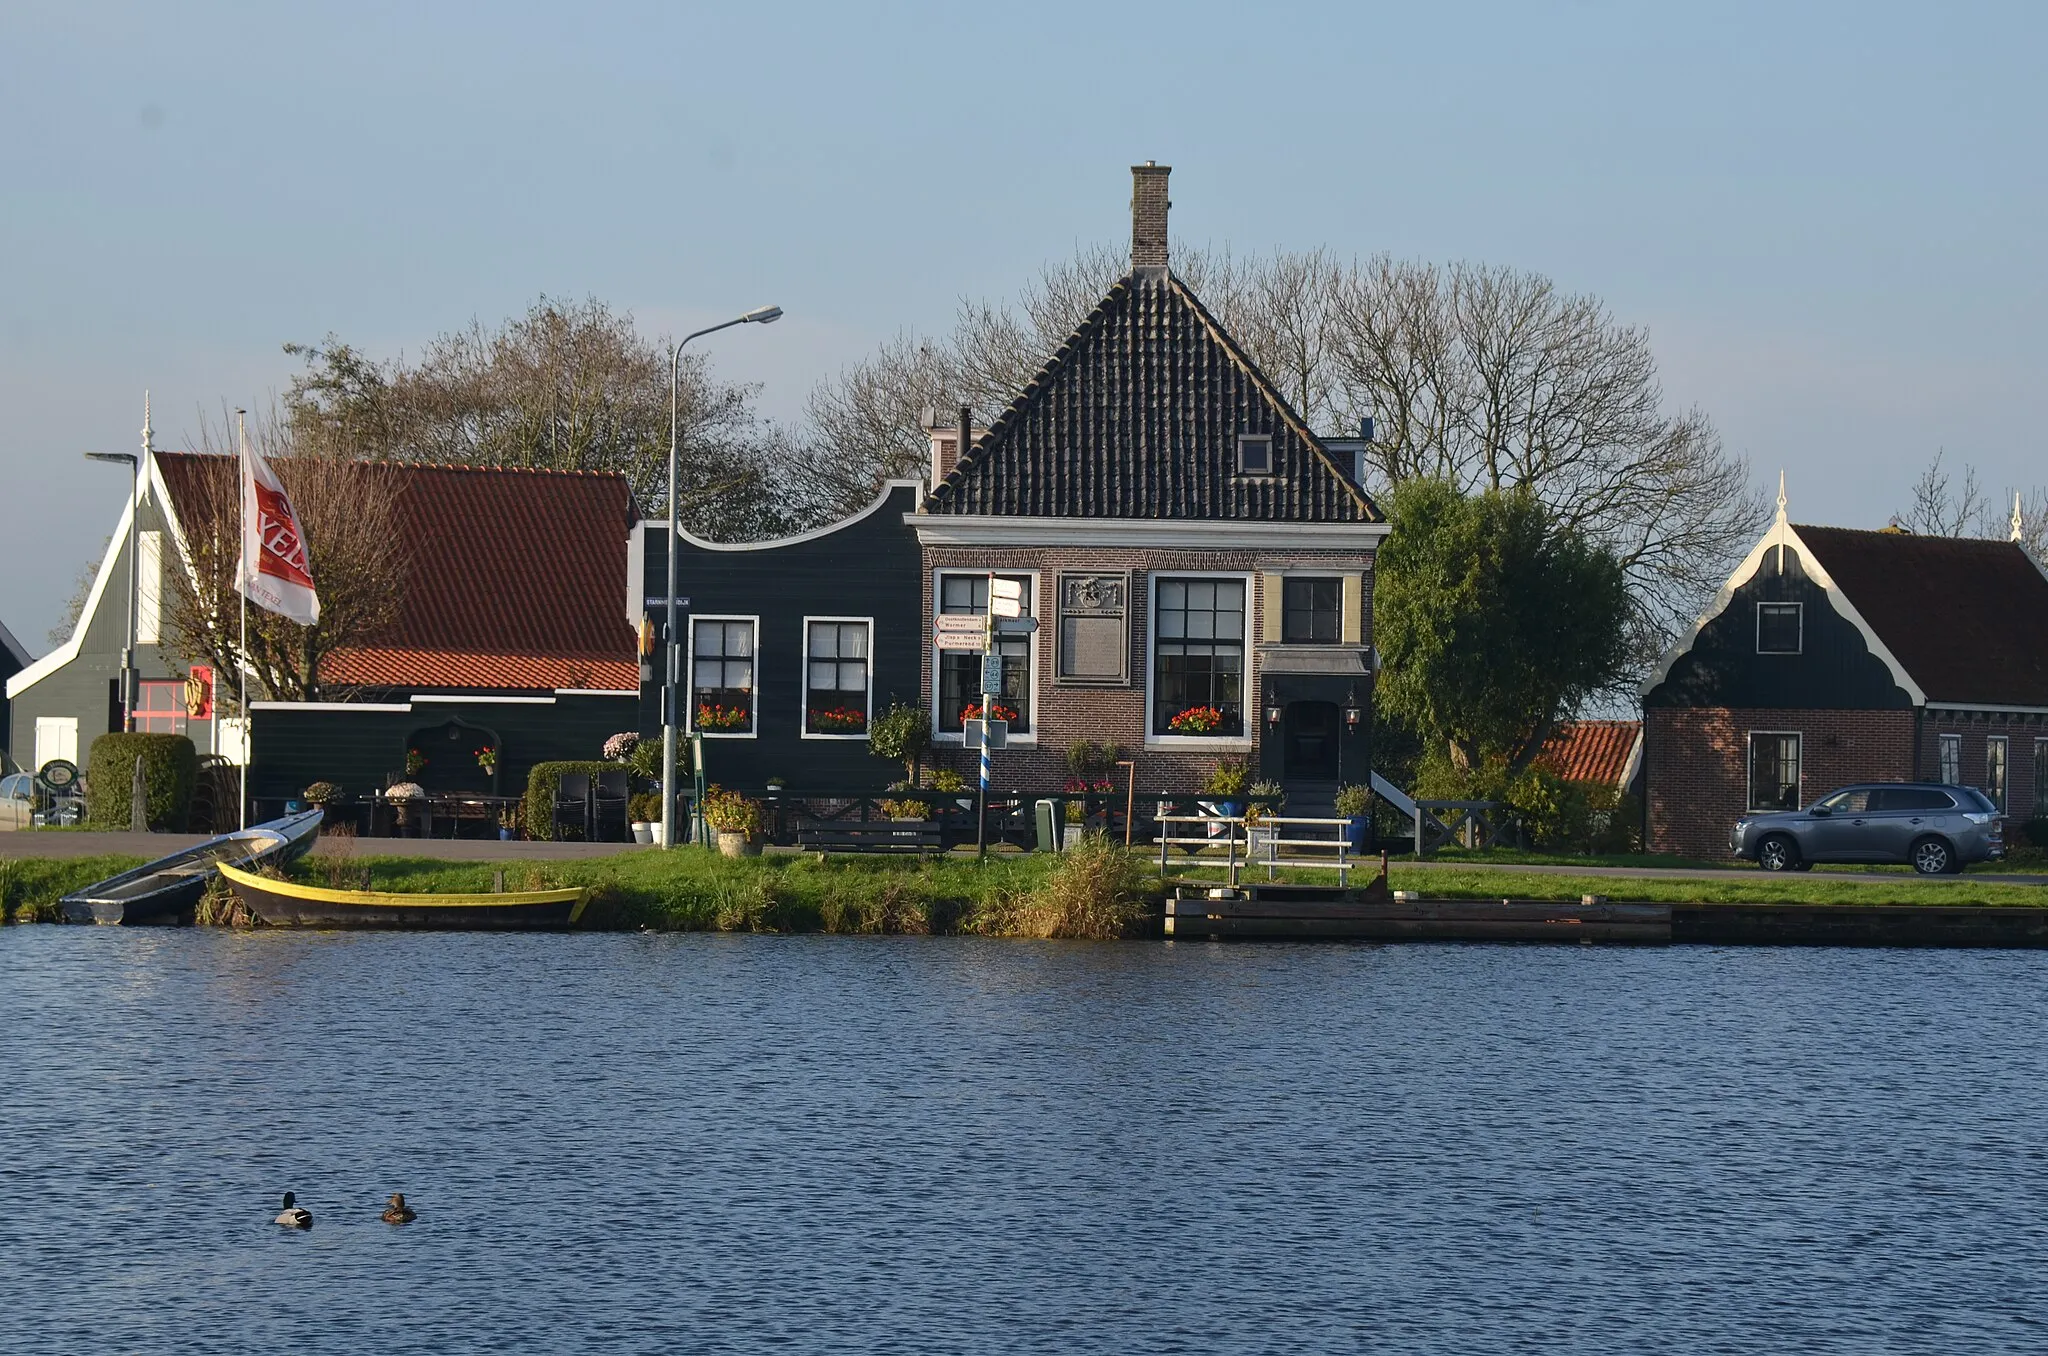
x=608, y=808
x=572, y=804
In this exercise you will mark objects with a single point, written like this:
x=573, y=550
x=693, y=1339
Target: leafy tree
x=1494, y=621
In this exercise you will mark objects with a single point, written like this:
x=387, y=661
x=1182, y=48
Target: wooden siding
x=1834, y=670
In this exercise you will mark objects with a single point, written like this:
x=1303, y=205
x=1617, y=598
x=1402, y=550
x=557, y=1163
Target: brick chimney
x=1148, y=217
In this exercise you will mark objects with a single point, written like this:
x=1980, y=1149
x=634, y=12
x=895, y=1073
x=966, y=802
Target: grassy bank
x=31, y=886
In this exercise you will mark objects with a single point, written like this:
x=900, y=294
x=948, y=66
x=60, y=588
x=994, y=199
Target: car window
x=1915, y=798
x=1973, y=799
x=14, y=787
x=1846, y=803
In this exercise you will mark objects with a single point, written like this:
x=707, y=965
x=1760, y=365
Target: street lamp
x=671, y=652
x=133, y=461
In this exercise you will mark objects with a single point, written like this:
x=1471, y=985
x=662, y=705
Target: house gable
x=1138, y=416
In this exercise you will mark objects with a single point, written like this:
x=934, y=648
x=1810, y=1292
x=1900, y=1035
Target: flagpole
x=241, y=565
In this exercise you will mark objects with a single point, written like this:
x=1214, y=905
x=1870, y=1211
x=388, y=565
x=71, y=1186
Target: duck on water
x=398, y=1212
x=295, y=1216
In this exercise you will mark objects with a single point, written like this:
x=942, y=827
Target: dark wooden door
x=1309, y=732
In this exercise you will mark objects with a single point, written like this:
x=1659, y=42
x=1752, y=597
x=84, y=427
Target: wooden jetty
x=1318, y=913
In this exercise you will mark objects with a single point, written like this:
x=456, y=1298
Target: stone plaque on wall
x=1094, y=634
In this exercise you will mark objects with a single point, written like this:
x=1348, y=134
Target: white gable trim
x=1633, y=761
x=661, y=524
x=68, y=651
x=961, y=529
x=1782, y=535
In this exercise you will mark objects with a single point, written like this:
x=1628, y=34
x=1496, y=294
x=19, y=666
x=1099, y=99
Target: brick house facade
x=1835, y=656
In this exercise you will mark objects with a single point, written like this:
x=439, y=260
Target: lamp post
x=133, y=461
x=671, y=652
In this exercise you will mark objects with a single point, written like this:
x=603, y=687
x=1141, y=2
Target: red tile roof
x=517, y=579
x=1591, y=750
x=1968, y=619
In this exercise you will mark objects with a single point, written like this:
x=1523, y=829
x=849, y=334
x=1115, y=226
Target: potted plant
x=1226, y=788
x=1257, y=817
x=945, y=779
x=508, y=823
x=904, y=734
x=776, y=784
x=403, y=796
x=642, y=811
x=736, y=819
x=415, y=762
x=905, y=808
x=487, y=759
x=1355, y=804
x=619, y=747
x=320, y=795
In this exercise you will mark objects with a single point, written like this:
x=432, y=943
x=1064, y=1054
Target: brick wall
x=1975, y=730
x=1696, y=764
x=1116, y=715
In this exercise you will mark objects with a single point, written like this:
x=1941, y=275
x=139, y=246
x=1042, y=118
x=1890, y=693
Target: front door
x=1309, y=732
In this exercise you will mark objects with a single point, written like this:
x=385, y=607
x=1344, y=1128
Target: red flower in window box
x=1196, y=720
x=712, y=716
x=839, y=720
x=996, y=711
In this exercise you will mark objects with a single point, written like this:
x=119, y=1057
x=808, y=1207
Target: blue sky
x=1829, y=216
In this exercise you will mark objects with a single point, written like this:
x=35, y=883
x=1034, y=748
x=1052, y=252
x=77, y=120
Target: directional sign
x=1016, y=626
x=959, y=640
x=960, y=621
x=1005, y=597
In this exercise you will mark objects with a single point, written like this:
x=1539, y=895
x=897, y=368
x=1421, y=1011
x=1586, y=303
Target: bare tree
x=355, y=543
x=1945, y=507
x=567, y=386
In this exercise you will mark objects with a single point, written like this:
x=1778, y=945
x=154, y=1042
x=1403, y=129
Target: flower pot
x=643, y=831
x=1354, y=833
x=504, y=835
x=737, y=844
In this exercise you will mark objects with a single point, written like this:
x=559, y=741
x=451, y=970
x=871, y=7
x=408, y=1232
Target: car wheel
x=1934, y=857
x=1778, y=853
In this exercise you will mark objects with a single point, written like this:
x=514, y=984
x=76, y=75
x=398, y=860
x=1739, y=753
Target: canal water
x=746, y=1144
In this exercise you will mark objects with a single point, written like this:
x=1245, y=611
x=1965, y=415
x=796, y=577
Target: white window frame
x=2003, y=799
x=1198, y=743
x=753, y=729
x=1244, y=438
x=1749, y=806
x=803, y=713
x=1798, y=610
x=959, y=737
x=149, y=588
x=1943, y=765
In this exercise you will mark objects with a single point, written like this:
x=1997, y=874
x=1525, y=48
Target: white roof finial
x=1781, y=496
x=2019, y=521
x=146, y=449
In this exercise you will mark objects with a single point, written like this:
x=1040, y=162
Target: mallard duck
x=398, y=1212
x=295, y=1216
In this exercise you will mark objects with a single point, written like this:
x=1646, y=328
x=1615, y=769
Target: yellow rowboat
x=283, y=903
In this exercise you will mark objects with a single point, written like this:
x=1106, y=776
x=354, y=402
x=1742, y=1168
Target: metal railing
x=1278, y=835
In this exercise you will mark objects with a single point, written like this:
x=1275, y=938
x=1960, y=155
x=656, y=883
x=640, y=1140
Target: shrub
x=644, y=808
x=903, y=809
x=1096, y=891
x=1086, y=760
x=543, y=785
x=902, y=734
x=1229, y=780
x=1353, y=802
x=731, y=812
x=170, y=766
x=945, y=779
x=322, y=793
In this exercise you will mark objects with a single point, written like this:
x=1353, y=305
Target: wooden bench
x=875, y=835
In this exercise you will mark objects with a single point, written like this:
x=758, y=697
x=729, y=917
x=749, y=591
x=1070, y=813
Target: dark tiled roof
x=518, y=565
x=1137, y=416
x=1968, y=619
x=1591, y=750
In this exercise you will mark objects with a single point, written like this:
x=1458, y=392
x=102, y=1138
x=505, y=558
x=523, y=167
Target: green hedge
x=542, y=785
x=170, y=767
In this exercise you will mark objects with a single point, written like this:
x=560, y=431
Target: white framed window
x=1952, y=759
x=838, y=667
x=1254, y=454
x=724, y=660
x=1996, y=750
x=1200, y=648
x=1780, y=628
x=1774, y=769
x=149, y=588
x=957, y=673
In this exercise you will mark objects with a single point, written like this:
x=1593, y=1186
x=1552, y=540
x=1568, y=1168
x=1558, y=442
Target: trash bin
x=1051, y=821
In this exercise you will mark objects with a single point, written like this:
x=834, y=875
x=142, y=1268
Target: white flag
x=275, y=572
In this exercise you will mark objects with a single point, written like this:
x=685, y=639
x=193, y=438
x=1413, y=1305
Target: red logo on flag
x=284, y=551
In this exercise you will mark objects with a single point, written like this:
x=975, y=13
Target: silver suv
x=1937, y=828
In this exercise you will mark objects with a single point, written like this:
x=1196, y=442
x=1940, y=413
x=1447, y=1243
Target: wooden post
x=1130, y=795
x=498, y=882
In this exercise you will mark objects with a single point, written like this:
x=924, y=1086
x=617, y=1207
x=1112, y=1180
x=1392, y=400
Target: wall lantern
x=1353, y=713
x=1273, y=714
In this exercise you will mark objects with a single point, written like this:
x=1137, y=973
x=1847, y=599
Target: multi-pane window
x=1994, y=770
x=1311, y=611
x=160, y=707
x=722, y=675
x=1198, y=657
x=836, y=678
x=1254, y=454
x=960, y=670
x=1773, y=771
x=1952, y=759
x=1777, y=628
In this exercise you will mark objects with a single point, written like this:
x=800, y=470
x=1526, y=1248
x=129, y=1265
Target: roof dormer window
x=1254, y=454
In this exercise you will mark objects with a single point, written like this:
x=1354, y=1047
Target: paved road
x=1716, y=873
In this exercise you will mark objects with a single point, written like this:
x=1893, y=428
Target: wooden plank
x=1418, y=929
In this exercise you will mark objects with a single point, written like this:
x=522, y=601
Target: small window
x=1777, y=628
x=1773, y=771
x=722, y=675
x=160, y=707
x=836, y=678
x=1254, y=454
x=1994, y=770
x=1311, y=611
x=1951, y=759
